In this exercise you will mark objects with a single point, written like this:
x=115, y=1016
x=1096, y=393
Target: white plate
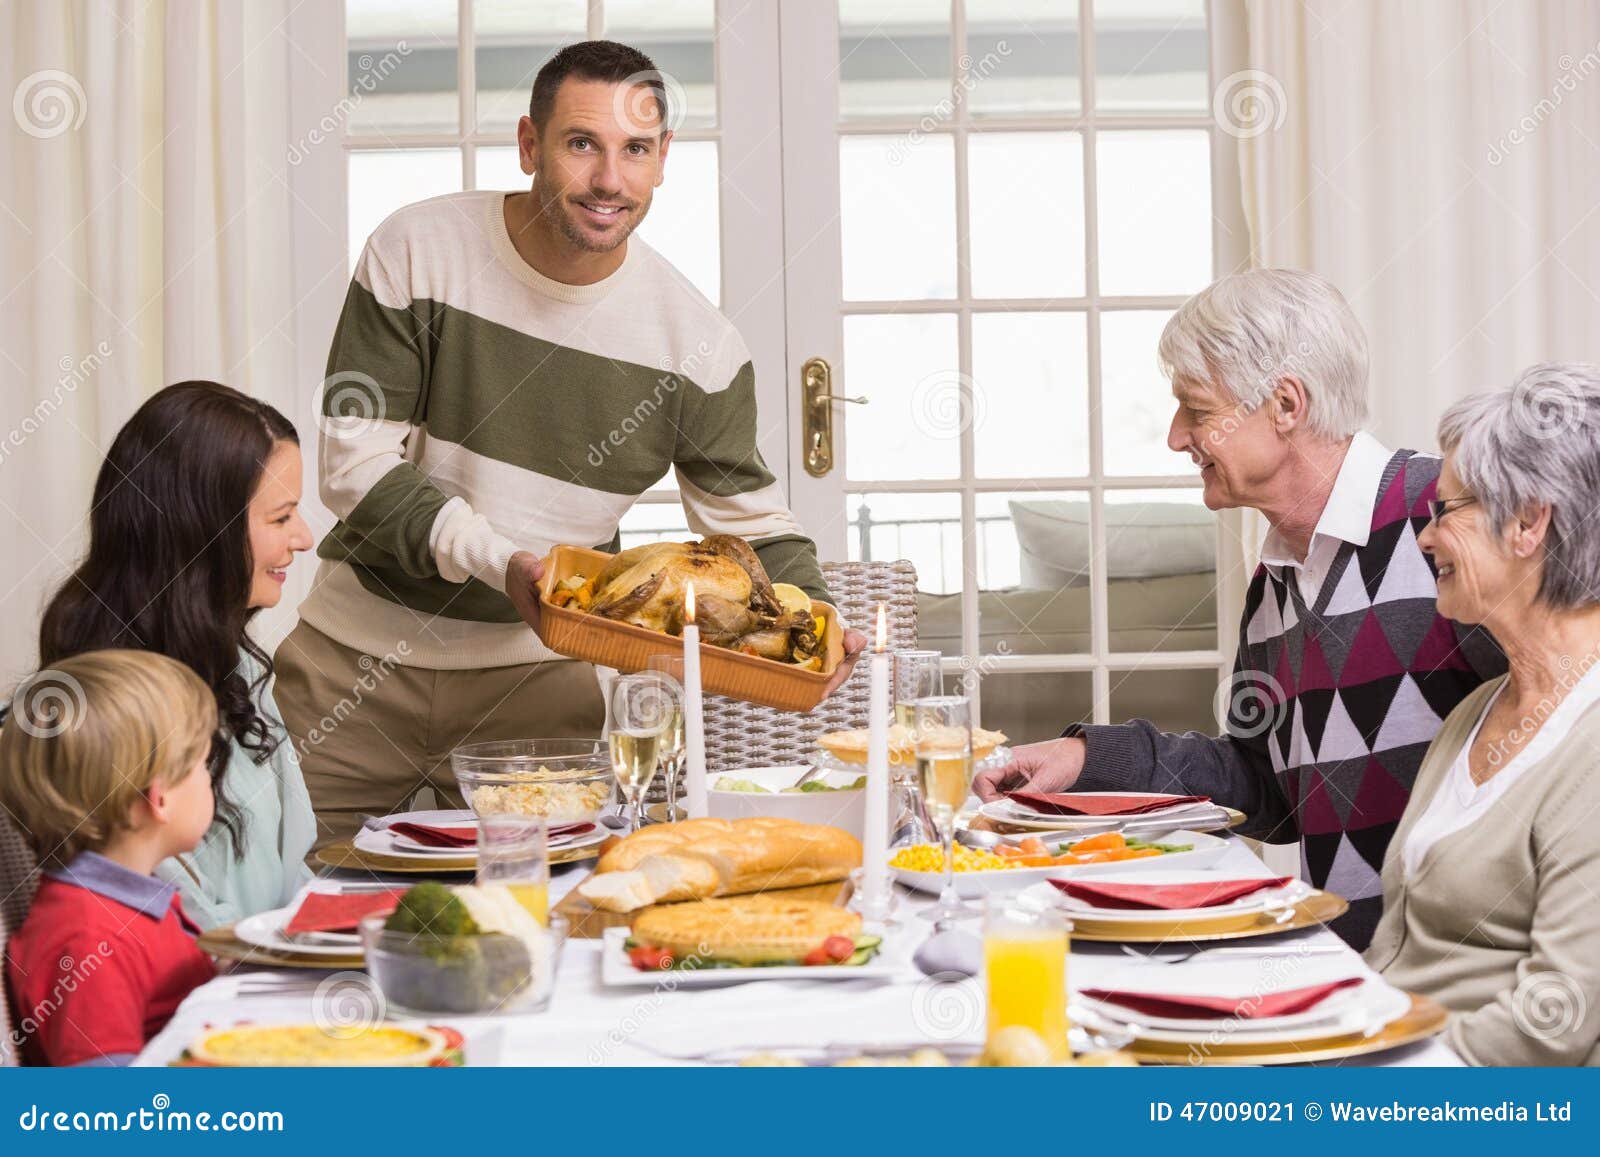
x=1010, y=812
x=1267, y=898
x=618, y=971
x=1367, y=1008
x=1207, y=850
x=265, y=930
x=383, y=842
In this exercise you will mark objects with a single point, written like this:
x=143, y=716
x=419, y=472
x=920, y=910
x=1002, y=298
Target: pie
x=851, y=746
x=744, y=929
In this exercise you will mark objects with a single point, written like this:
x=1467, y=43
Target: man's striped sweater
x=475, y=407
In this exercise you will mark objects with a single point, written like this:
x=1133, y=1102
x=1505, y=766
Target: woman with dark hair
x=195, y=520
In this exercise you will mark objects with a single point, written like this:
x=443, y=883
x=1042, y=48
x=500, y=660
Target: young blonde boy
x=107, y=785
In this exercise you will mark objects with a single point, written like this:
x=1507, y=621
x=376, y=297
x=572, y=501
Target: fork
x=1275, y=950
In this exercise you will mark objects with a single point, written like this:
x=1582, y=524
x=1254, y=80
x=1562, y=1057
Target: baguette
x=702, y=858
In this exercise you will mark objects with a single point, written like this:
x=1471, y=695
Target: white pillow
x=1143, y=540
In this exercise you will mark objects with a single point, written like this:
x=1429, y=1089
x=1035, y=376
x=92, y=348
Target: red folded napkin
x=1078, y=804
x=1207, y=894
x=444, y=837
x=1285, y=1003
x=326, y=912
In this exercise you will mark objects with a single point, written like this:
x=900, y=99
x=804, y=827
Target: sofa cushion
x=1143, y=540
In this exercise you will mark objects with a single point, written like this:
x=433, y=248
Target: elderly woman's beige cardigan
x=1501, y=920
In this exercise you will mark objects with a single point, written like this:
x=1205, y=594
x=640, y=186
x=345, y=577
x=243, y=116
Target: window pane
x=1023, y=57
x=1030, y=391
x=1033, y=564
x=897, y=210
x=1136, y=405
x=1030, y=708
x=1150, y=56
x=382, y=180
x=926, y=530
x=911, y=427
x=400, y=66
x=683, y=223
x=654, y=522
x=1047, y=170
x=513, y=39
x=1155, y=212
x=1161, y=566
x=1172, y=700
x=894, y=58
x=680, y=38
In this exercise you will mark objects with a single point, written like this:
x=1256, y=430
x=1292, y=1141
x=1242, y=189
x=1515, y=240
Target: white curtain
x=1439, y=161
x=145, y=210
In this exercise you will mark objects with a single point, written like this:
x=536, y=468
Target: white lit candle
x=875, y=842
x=694, y=731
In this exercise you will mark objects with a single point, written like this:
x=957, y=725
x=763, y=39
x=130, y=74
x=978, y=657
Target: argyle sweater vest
x=1351, y=689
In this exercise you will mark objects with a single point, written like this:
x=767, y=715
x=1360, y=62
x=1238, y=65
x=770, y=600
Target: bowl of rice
x=559, y=780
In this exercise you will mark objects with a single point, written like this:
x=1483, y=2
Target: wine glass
x=941, y=736
x=917, y=675
x=641, y=710
x=672, y=748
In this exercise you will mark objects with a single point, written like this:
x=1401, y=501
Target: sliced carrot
x=1106, y=841
x=1138, y=853
x=1092, y=857
x=1043, y=860
x=1007, y=852
x=1033, y=846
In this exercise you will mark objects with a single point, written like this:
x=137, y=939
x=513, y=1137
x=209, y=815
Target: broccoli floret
x=432, y=909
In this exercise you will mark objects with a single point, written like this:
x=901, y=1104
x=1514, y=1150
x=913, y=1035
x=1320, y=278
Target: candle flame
x=688, y=602
x=883, y=626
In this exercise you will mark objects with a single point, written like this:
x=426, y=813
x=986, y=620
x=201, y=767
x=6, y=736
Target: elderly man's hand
x=1050, y=766
x=854, y=644
x=523, y=573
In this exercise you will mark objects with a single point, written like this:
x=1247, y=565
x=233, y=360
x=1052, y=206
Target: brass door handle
x=816, y=381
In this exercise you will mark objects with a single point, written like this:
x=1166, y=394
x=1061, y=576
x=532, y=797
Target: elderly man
x=1345, y=668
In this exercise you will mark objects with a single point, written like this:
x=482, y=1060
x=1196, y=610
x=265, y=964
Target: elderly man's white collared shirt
x=1347, y=517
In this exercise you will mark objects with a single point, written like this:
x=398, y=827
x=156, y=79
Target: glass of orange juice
x=1025, y=961
x=513, y=852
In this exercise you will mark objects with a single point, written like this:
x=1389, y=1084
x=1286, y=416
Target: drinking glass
x=672, y=750
x=917, y=675
x=1025, y=961
x=514, y=852
x=941, y=736
x=643, y=708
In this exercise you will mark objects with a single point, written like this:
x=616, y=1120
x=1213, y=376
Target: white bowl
x=841, y=809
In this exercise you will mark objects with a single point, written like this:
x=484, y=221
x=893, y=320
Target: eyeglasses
x=1439, y=507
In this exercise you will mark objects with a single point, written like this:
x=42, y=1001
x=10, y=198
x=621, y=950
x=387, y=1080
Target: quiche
x=851, y=746
x=309, y=1045
x=744, y=929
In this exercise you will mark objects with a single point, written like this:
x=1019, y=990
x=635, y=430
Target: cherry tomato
x=647, y=958
x=839, y=948
x=817, y=956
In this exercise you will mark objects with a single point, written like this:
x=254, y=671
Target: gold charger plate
x=221, y=942
x=1425, y=1018
x=1317, y=908
x=343, y=854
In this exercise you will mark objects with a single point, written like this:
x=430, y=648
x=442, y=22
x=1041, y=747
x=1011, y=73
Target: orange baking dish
x=608, y=643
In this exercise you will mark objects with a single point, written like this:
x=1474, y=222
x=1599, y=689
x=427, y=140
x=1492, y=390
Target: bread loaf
x=698, y=859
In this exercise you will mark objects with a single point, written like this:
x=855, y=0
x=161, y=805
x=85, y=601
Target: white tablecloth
x=589, y=1024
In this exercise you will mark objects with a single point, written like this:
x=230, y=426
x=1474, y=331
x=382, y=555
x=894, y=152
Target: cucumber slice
x=862, y=955
x=866, y=941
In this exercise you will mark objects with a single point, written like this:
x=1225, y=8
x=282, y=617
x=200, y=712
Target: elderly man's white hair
x=1538, y=444
x=1247, y=331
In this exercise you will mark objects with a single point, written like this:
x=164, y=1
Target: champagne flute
x=917, y=675
x=642, y=708
x=942, y=739
x=672, y=743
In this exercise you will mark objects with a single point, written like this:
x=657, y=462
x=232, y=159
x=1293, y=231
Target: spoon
x=949, y=955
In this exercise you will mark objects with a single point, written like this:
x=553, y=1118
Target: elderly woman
x=1491, y=886
x=1344, y=668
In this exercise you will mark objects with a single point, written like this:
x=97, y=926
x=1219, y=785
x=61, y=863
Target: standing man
x=510, y=371
x=1345, y=668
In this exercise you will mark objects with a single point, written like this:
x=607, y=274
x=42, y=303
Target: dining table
x=588, y=1023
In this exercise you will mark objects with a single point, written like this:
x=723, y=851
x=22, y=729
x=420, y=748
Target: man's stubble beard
x=553, y=205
